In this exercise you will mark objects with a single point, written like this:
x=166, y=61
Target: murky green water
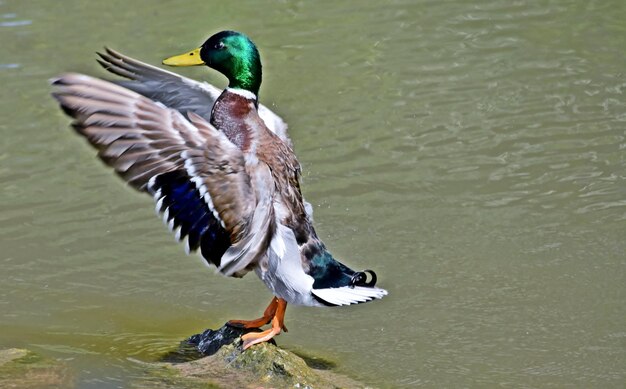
x=474, y=155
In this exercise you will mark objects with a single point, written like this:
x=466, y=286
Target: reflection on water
x=472, y=154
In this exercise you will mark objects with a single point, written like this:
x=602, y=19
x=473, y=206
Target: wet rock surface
x=24, y=369
x=227, y=366
x=210, y=341
x=207, y=343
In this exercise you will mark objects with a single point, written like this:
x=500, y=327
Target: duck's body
x=228, y=185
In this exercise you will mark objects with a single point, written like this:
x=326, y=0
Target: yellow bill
x=191, y=58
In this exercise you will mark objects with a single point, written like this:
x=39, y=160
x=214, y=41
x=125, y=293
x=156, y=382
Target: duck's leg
x=269, y=313
x=252, y=338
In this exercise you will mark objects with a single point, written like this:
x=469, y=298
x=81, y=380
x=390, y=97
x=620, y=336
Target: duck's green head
x=231, y=53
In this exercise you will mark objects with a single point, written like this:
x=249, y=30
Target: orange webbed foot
x=275, y=313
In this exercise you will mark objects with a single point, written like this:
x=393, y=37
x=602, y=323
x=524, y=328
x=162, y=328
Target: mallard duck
x=221, y=170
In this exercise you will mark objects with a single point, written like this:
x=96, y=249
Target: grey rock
x=228, y=366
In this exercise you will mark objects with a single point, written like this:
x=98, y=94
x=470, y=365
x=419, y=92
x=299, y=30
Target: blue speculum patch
x=188, y=211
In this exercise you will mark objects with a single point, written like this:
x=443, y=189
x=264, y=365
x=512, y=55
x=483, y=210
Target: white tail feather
x=347, y=295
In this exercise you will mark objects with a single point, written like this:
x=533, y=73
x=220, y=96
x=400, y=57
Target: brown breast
x=232, y=114
x=238, y=118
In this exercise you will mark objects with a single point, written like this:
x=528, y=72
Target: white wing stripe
x=159, y=204
x=200, y=186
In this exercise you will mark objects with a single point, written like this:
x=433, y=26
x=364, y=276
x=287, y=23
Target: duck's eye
x=219, y=45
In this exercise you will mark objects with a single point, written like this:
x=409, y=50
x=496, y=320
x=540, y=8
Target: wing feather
x=222, y=171
x=144, y=140
x=130, y=131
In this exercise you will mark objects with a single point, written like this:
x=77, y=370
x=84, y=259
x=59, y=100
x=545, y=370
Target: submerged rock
x=25, y=369
x=261, y=366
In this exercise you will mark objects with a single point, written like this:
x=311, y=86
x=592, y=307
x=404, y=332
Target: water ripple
x=16, y=23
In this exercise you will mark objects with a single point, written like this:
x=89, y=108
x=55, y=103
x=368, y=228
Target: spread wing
x=200, y=181
x=172, y=90
x=136, y=137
